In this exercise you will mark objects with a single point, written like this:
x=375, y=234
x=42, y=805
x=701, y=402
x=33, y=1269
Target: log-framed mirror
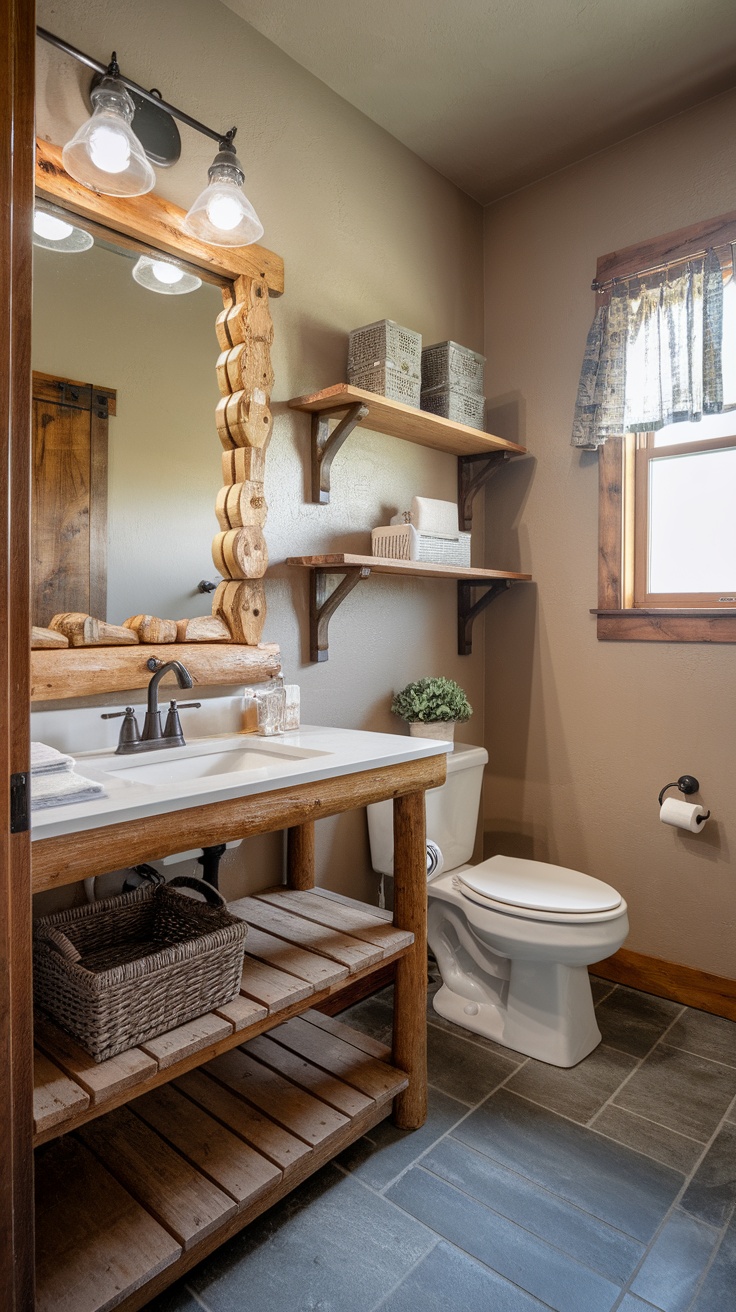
x=81, y=649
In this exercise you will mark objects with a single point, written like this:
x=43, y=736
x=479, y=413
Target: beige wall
x=582, y=734
x=366, y=230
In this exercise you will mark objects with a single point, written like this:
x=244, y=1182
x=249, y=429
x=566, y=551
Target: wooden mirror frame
x=81, y=655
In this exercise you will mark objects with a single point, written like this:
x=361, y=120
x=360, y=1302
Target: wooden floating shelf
x=354, y=568
x=127, y=1205
x=301, y=948
x=369, y=410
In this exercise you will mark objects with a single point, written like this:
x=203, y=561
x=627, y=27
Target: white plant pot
x=444, y=729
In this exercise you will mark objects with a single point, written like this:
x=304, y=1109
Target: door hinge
x=19, y=802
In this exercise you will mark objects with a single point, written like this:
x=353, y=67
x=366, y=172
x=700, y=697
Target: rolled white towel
x=47, y=760
x=62, y=788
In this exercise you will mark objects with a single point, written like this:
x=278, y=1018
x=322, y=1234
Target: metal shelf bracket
x=469, y=610
x=322, y=605
x=326, y=444
x=473, y=472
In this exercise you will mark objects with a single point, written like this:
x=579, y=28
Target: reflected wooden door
x=69, y=520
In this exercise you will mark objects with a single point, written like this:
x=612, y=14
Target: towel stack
x=53, y=781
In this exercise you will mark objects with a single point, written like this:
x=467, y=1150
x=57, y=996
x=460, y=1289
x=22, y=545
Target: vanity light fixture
x=109, y=157
x=105, y=154
x=222, y=214
x=164, y=277
x=58, y=235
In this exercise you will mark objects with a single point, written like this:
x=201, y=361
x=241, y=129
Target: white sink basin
x=168, y=766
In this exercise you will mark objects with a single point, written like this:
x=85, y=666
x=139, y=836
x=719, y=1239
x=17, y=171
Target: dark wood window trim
x=617, y=619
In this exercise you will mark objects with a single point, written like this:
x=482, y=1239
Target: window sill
x=665, y=625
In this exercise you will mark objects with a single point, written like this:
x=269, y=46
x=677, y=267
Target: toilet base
x=548, y=1013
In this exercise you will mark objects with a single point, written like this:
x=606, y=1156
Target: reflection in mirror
x=126, y=457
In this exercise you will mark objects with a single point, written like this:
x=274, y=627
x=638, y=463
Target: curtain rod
x=151, y=96
x=605, y=286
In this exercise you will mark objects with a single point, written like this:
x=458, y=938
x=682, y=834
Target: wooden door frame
x=17, y=62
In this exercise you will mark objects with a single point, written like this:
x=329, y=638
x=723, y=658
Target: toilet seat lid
x=538, y=886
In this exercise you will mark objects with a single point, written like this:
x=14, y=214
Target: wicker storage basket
x=122, y=970
x=447, y=364
x=385, y=343
x=460, y=407
x=388, y=382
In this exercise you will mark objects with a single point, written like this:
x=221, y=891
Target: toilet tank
x=452, y=813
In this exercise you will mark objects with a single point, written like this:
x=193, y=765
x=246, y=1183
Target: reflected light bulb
x=109, y=149
x=167, y=273
x=224, y=212
x=53, y=229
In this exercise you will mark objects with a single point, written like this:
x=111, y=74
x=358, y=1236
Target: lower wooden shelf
x=354, y=568
x=301, y=948
x=127, y=1204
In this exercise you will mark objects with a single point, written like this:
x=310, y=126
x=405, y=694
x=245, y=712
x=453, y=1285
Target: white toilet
x=512, y=938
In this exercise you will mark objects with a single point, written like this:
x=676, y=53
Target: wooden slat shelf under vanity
x=128, y=1204
x=301, y=948
x=354, y=568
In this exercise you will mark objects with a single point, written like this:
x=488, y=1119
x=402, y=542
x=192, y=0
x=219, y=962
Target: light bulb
x=224, y=212
x=167, y=273
x=221, y=214
x=109, y=149
x=53, y=229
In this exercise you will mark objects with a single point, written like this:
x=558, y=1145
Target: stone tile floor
x=607, y=1188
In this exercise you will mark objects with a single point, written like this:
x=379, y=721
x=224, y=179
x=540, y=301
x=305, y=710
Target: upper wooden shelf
x=416, y=568
x=404, y=421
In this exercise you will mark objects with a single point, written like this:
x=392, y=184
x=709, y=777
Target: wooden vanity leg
x=410, y=993
x=300, y=856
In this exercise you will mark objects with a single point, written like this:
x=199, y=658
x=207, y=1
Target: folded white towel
x=47, y=760
x=62, y=789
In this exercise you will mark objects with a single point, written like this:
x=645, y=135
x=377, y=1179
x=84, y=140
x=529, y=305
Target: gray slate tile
x=512, y=1251
x=372, y=1016
x=633, y=1021
x=718, y=1291
x=708, y=1036
x=600, y=988
x=618, y=1186
x=647, y=1137
x=675, y=1263
x=176, y=1299
x=331, y=1245
x=464, y=1070
x=447, y=1280
x=578, y=1092
x=381, y=1156
x=712, y=1191
x=686, y=1093
x=633, y=1304
x=548, y=1216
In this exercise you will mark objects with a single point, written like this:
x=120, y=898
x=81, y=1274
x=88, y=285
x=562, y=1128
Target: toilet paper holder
x=688, y=784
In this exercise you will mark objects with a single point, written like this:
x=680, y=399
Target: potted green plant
x=432, y=707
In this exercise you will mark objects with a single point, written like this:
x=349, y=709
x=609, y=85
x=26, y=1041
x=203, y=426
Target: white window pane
x=692, y=522
x=723, y=425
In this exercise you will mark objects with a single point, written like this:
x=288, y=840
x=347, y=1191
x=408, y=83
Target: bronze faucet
x=154, y=737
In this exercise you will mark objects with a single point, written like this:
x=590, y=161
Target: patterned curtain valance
x=653, y=355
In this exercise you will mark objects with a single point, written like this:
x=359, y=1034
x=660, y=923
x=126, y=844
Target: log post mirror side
x=125, y=448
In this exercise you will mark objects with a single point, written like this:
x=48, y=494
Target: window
x=667, y=502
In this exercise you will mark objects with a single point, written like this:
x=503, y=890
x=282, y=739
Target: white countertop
x=332, y=752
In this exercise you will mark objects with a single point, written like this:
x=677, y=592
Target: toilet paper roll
x=435, y=860
x=683, y=815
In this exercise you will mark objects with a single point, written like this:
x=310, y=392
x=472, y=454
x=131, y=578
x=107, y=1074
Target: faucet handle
x=185, y=706
x=173, y=730
x=129, y=731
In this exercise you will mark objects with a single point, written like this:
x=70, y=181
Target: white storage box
x=404, y=542
x=388, y=382
x=385, y=343
x=459, y=407
x=449, y=365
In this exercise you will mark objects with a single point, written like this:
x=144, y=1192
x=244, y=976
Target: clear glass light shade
x=222, y=215
x=57, y=235
x=163, y=277
x=105, y=154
